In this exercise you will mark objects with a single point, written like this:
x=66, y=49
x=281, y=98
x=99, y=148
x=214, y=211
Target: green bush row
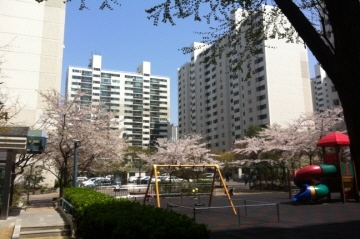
x=102, y=216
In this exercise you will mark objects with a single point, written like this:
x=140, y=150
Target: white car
x=173, y=179
x=208, y=176
x=81, y=179
x=133, y=179
x=90, y=182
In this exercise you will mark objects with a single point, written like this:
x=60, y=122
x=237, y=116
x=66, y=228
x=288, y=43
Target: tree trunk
x=345, y=21
x=342, y=66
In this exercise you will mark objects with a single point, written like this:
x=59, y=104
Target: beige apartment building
x=31, y=50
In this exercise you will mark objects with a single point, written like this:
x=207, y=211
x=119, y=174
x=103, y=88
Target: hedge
x=102, y=216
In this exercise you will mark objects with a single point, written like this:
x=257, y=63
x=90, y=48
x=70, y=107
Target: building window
x=261, y=97
x=260, y=88
x=257, y=70
x=336, y=102
x=258, y=60
x=261, y=117
x=261, y=107
x=260, y=78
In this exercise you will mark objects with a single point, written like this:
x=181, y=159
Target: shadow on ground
x=348, y=230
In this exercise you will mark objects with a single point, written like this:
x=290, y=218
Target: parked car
x=81, y=179
x=208, y=176
x=133, y=179
x=173, y=179
x=144, y=180
x=103, y=182
x=90, y=182
x=159, y=178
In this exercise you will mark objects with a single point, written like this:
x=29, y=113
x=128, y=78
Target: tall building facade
x=220, y=104
x=173, y=133
x=140, y=100
x=31, y=49
x=324, y=93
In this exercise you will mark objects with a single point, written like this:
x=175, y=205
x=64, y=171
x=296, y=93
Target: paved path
x=39, y=213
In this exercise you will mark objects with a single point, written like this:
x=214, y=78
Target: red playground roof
x=333, y=139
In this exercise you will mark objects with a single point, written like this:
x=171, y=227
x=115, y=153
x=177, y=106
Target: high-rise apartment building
x=173, y=133
x=323, y=91
x=140, y=100
x=221, y=104
x=31, y=50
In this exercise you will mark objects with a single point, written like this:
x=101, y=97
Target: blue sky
x=124, y=37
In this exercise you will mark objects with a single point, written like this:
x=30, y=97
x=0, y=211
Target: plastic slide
x=308, y=178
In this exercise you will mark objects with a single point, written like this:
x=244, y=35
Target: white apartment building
x=31, y=50
x=323, y=91
x=140, y=100
x=221, y=105
x=173, y=133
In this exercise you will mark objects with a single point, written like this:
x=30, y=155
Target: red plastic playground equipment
x=318, y=181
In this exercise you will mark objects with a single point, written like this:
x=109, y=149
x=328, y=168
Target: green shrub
x=102, y=216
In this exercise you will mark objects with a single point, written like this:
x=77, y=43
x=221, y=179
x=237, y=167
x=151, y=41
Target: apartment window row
x=262, y=97
x=109, y=75
x=259, y=69
x=262, y=117
x=260, y=88
x=261, y=107
x=260, y=59
x=260, y=78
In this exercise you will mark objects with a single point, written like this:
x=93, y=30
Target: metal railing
x=67, y=210
x=66, y=207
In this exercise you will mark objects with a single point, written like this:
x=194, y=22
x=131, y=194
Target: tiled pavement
x=320, y=220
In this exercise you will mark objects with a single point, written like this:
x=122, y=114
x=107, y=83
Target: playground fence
x=247, y=212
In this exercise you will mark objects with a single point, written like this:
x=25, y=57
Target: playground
x=334, y=174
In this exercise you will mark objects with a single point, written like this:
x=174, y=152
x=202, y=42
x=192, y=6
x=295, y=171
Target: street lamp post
x=76, y=146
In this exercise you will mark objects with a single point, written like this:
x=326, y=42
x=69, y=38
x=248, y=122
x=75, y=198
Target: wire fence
x=247, y=212
x=165, y=190
x=194, y=201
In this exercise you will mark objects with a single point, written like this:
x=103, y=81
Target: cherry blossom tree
x=294, y=140
x=93, y=126
x=139, y=158
x=189, y=149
